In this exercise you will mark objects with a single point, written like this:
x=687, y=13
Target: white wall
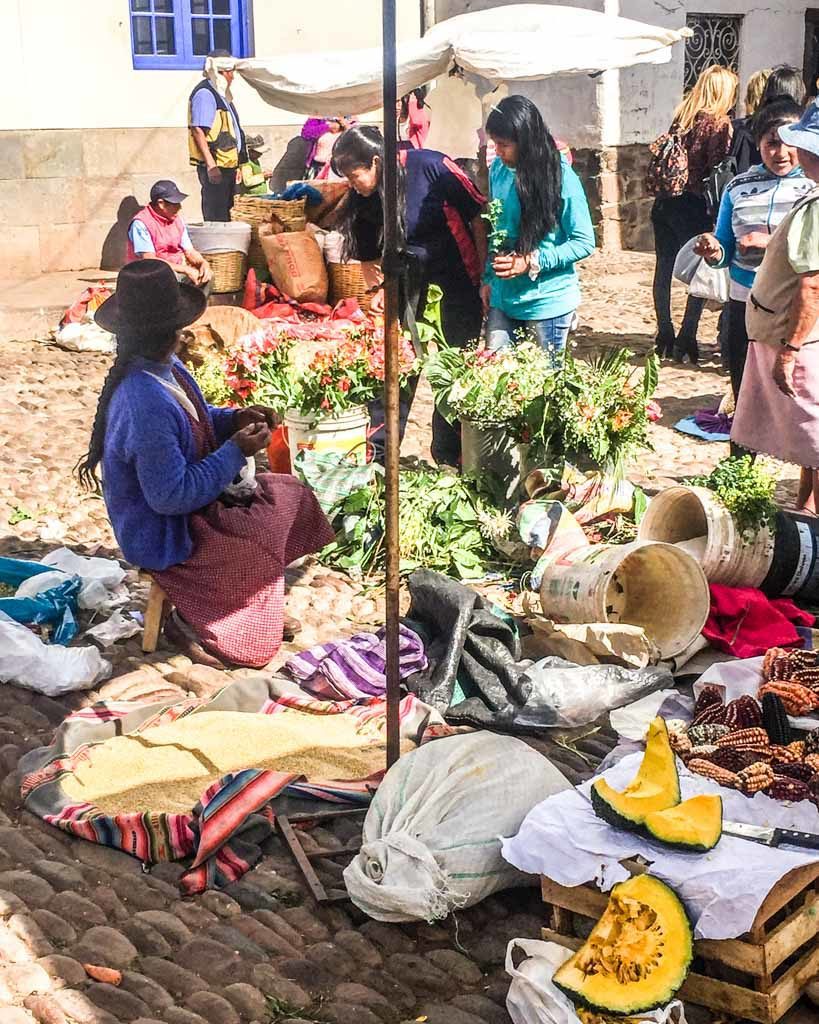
x=68, y=62
x=771, y=34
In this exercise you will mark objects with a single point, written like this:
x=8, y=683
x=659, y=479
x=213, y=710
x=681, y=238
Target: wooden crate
x=758, y=976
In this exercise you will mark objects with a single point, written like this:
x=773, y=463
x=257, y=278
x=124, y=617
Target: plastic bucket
x=696, y=518
x=795, y=568
x=344, y=435
x=655, y=586
x=492, y=450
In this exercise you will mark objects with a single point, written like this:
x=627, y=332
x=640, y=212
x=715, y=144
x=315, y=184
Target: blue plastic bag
x=55, y=607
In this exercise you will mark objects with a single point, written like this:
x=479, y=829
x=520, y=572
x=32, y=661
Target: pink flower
x=653, y=410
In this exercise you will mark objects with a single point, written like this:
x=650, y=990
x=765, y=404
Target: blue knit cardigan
x=152, y=479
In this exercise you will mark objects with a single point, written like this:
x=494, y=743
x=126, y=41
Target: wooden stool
x=156, y=611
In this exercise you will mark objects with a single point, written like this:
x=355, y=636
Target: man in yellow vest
x=215, y=139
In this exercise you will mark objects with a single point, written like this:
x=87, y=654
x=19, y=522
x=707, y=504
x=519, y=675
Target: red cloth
x=165, y=234
x=746, y=623
x=268, y=303
x=231, y=589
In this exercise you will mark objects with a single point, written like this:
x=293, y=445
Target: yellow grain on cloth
x=167, y=768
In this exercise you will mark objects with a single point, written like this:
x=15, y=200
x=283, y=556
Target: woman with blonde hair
x=702, y=125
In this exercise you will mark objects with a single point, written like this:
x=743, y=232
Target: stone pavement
x=262, y=951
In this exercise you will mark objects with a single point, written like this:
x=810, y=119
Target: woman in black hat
x=167, y=458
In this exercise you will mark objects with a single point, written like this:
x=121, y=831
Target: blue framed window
x=179, y=34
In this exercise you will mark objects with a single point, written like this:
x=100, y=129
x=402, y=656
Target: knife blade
x=771, y=836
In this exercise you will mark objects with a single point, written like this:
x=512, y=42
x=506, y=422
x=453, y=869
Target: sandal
x=179, y=633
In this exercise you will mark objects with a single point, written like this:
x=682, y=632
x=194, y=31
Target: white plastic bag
x=534, y=999
x=704, y=282
x=432, y=833
x=575, y=695
x=46, y=668
x=246, y=484
x=100, y=576
x=116, y=628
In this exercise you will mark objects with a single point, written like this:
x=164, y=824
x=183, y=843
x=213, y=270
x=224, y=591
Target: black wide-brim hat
x=149, y=299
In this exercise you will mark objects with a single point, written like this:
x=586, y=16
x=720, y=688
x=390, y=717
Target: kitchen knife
x=770, y=836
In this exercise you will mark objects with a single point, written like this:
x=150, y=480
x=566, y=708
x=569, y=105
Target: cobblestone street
x=263, y=950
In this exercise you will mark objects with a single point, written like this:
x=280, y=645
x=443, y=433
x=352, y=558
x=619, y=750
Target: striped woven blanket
x=219, y=839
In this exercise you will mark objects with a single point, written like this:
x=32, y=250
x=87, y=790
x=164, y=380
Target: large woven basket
x=228, y=270
x=255, y=211
x=347, y=282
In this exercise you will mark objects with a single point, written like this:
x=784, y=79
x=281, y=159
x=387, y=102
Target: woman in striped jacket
x=753, y=205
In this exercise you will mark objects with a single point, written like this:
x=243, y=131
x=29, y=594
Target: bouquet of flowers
x=599, y=412
x=491, y=388
x=271, y=367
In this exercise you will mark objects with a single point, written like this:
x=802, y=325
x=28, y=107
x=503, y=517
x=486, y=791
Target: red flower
x=653, y=410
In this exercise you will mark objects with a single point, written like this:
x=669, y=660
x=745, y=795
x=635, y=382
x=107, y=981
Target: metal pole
x=391, y=268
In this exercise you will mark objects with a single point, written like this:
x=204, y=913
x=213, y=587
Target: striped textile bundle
x=349, y=669
x=220, y=837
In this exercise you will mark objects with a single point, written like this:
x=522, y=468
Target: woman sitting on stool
x=167, y=459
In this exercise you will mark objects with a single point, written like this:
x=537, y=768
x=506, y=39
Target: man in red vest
x=158, y=232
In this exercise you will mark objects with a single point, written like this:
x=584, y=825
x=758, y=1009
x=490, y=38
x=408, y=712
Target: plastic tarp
x=517, y=43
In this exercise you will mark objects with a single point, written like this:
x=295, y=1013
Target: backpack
x=667, y=173
x=725, y=171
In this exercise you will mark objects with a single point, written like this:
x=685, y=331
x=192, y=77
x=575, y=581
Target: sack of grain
x=432, y=833
x=296, y=265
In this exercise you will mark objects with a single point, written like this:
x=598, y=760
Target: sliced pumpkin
x=695, y=824
x=638, y=953
x=655, y=787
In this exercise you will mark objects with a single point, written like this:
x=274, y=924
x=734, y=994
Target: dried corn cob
x=709, y=695
x=775, y=719
x=680, y=744
x=708, y=733
x=755, y=778
x=798, y=748
x=745, y=738
x=704, y=750
x=793, y=770
x=711, y=771
x=812, y=742
x=784, y=788
x=797, y=699
x=732, y=759
x=783, y=754
x=781, y=664
x=743, y=713
x=807, y=677
x=812, y=761
x=709, y=714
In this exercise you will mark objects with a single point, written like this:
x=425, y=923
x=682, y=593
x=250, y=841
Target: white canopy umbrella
x=517, y=43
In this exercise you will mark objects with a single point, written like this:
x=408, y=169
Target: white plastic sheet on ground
x=564, y=839
x=101, y=578
x=516, y=43
x=432, y=835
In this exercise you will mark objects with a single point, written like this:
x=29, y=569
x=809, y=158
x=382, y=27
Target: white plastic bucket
x=218, y=236
x=655, y=586
x=682, y=515
x=344, y=435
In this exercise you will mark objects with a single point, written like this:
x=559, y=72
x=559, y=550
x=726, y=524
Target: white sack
x=85, y=336
x=515, y=43
x=533, y=998
x=432, y=832
x=46, y=668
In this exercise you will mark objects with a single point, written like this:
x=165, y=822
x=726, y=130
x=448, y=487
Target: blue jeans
x=551, y=334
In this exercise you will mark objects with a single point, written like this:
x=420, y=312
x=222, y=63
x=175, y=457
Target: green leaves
x=746, y=488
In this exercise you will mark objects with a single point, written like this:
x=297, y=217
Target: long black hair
x=784, y=82
x=775, y=114
x=129, y=347
x=361, y=223
x=539, y=176
x=420, y=95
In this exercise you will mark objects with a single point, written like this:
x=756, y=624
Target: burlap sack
x=296, y=265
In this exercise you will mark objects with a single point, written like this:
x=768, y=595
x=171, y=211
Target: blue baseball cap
x=804, y=134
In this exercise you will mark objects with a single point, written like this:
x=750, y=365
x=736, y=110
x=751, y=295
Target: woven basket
x=347, y=282
x=255, y=211
x=228, y=270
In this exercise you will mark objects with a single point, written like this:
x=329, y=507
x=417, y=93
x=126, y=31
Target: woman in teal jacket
x=530, y=285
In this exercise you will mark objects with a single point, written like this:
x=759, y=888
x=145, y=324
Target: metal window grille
x=715, y=41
